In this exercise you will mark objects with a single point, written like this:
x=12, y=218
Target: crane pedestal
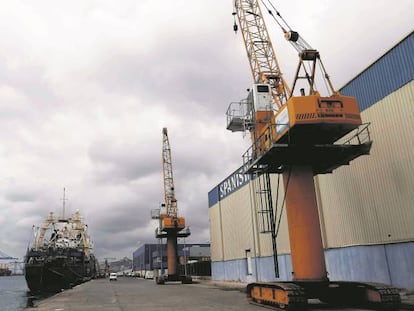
x=172, y=228
x=298, y=164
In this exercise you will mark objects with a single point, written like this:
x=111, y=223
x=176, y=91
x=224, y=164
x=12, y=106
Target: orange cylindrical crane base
x=172, y=253
x=308, y=260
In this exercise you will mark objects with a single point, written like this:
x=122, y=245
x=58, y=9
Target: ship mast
x=64, y=200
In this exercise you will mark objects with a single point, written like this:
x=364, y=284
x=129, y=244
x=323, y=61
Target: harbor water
x=14, y=294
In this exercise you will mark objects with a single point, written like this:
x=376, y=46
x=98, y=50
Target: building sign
x=232, y=183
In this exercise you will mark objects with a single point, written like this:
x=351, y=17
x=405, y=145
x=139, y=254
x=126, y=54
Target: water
x=13, y=293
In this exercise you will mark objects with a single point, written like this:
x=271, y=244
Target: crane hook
x=235, y=27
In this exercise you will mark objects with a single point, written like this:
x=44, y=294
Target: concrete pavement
x=129, y=294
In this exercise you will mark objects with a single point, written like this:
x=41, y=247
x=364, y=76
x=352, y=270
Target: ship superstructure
x=61, y=255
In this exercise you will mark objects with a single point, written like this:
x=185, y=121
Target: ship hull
x=5, y=272
x=51, y=272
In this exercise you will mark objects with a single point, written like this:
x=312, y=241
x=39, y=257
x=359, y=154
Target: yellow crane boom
x=169, y=194
x=260, y=52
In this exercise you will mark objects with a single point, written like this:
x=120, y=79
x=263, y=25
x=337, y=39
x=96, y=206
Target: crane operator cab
x=260, y=98
x=255, y=110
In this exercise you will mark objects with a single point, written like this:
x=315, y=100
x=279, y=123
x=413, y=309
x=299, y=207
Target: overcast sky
x=87, y=86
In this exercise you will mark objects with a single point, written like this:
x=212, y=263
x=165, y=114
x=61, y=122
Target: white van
x=113, y=277
x=149, y=275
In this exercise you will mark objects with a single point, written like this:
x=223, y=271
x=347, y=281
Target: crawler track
x=293, y=296
x=371, y=295
x=280, y=296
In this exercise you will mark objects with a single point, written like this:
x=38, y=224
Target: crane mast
x=297, y=136
x=169, y=195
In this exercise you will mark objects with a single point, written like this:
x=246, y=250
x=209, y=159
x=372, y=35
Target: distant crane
x=5, y=267
x=170, y=225
x=5, y=256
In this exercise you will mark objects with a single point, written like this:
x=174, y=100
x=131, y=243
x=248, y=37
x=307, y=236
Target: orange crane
x=298, y=136
x=171, y=226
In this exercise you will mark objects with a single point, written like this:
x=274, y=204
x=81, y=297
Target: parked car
x=149, y=275
x=113, y=277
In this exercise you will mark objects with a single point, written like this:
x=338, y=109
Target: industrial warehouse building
x=153, y=257
x=366, y=209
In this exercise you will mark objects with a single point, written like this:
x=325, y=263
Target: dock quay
x=128, y=294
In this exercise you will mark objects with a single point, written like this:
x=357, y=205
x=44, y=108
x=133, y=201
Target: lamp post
x=185, y=258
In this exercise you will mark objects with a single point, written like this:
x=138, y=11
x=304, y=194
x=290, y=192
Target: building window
x=249, y=262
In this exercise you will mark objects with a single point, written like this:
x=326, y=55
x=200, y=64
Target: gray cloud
x=114, y=163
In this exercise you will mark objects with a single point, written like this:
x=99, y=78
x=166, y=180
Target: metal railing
x=264, y=143
x=239, y=116
x=358, y=136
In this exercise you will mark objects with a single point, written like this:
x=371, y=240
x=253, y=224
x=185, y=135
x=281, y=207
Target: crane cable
x=292, y=36
x=326, y=77
x=304, y=43
x=274, y=17
x=235, y=27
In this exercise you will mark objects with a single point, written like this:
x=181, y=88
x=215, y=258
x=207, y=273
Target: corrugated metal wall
x=234, y=220
x=387, y=263
x=371, y=201
x=216, y=235
x=237, y=224
x=385, y=76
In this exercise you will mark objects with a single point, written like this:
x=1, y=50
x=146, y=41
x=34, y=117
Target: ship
x=61, y=255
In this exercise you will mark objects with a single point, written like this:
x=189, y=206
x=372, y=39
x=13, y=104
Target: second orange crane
x=171, y=226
